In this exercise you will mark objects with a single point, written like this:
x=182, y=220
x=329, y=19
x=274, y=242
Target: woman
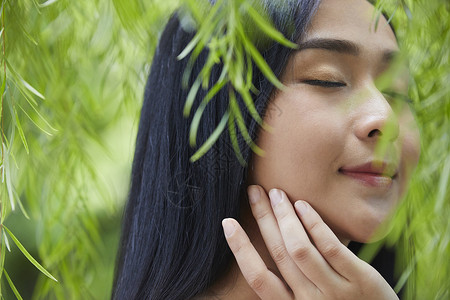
x=325, y=125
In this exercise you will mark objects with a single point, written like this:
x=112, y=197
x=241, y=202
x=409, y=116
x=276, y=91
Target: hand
x=324, y=270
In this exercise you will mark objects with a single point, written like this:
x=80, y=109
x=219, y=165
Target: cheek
x=300, y=150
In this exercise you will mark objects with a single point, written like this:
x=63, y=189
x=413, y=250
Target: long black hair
x=172, y=245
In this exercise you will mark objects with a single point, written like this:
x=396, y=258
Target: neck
x=233, y=284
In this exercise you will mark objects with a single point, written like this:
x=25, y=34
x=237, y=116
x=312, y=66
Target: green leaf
x=21, y=205
x=191, y=97
x=195, y=123
x=28, y=255
x=32, y=89
x=369, y=251
x=11, y=285
x=47, y=3
x=189, y=47
x=211, y=139
x=203, y=32
x=268, y=28
x=251, y=106
x=198, y=113
x=260, y=62
x=36, y=124
x=22, y=135
x=241, y=124
x=5, y=238
x=234, y=141
x=407, y=10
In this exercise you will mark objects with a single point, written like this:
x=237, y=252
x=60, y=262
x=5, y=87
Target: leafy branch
x=224, y=32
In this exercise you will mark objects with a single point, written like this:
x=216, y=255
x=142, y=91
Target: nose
x=376, y=118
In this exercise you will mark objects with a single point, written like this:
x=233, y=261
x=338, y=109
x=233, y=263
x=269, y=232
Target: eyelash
x=324, y=83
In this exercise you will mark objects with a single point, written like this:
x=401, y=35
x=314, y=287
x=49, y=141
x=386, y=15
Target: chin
x=370, y=231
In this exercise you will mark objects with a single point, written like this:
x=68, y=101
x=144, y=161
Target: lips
x=374, y=174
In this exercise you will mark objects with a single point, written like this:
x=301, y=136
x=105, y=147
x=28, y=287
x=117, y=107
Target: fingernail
x=253, y=194
x=275, y=196
x=228, y=227
x=301, y=207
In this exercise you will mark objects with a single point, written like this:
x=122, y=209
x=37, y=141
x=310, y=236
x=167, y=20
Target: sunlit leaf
x=28, y=255
x=5, y=238
x=32, y=89
x=47, y=3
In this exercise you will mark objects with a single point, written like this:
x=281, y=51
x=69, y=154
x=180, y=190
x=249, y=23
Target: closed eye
x=324, y=83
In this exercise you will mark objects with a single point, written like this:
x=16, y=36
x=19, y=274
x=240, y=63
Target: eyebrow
x=341, y=46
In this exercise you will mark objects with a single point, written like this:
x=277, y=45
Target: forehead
x=352, y=20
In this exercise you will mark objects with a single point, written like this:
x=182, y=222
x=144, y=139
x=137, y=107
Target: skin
x=289, y=249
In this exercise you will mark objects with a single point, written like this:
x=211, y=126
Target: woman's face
x=331, y=118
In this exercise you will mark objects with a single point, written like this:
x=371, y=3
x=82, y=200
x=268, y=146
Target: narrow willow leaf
x=32, y=89
x=198, y=113
x=25, y=32
x=268, y=28
x=207, y=68
x=407, y=10
x=192, y=44
x=392, y=15
x=369, y=251
x=47, y=3
x=195, y=124
x=405, y=276
x=28, y=255
x=43, y=119
x=241, y=124
x=201, y=33
x=190, y=65
x=5, y=238
x=205, y=37
x=24, y=212
x=191, y=97
x=9, y=185
x=2, y=257
x=36, y=124
x=211, y=139
x=261, y=63
x=214, y=90
x=234, y=141
x=11, y=285
x=237, y=68
x=251, y=106
x=22, y=135
x=2, y=91
x=249, y=73
x=378, y=14
x=25, y=93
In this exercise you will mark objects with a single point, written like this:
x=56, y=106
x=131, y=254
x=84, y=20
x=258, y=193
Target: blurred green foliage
x=73, y=74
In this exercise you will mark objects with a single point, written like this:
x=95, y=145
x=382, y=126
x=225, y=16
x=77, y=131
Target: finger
x=265, y=284
x=268, y=226
x=297, y=242
x=341, y=259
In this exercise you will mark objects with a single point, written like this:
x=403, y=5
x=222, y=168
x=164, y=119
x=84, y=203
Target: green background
x=73, y=74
